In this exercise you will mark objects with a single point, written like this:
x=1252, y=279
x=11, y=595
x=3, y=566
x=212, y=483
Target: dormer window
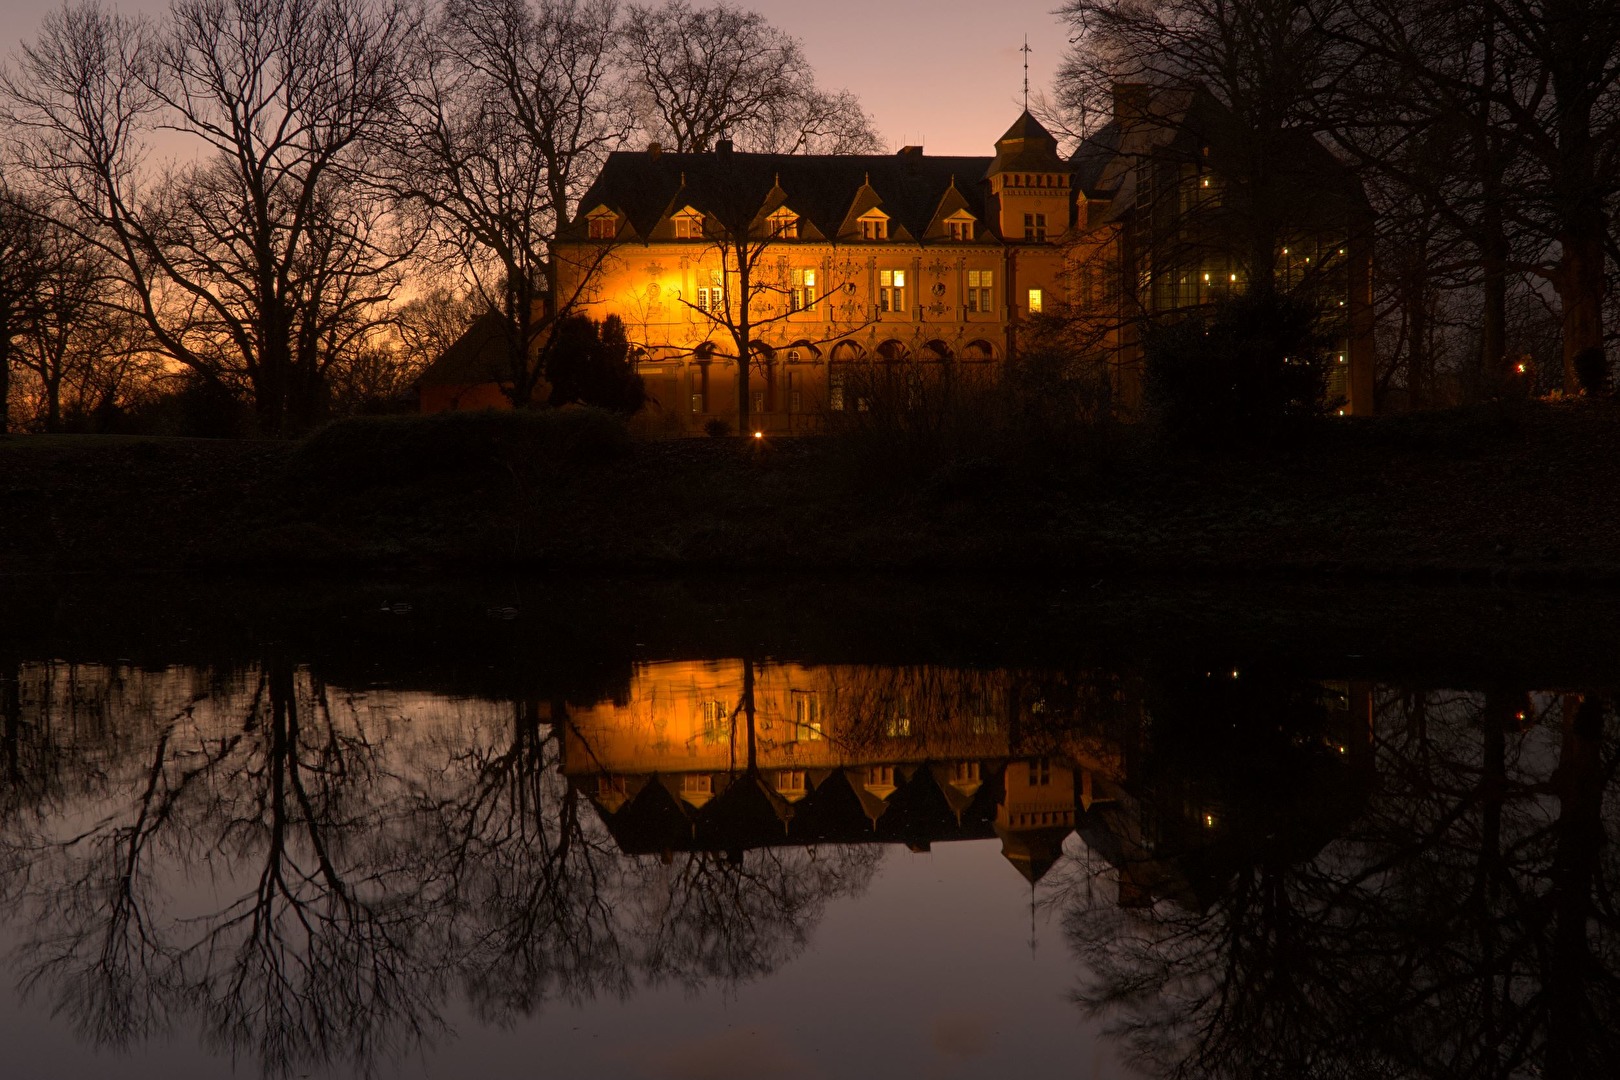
x=874, y=227
x=689, y=225
x=602, y=224
x=960, y=227
x=784, y=224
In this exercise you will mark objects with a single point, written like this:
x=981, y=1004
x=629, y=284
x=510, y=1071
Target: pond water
x=743, y=829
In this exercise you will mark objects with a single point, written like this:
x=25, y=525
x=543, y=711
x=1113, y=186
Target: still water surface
x=427, y=843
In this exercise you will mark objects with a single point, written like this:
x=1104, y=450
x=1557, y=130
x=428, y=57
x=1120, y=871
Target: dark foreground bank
x=1525, y=494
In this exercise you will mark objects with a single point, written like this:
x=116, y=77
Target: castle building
x=817, y=262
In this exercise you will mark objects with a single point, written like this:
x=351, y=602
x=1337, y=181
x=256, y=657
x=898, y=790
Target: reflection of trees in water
x=709, y=916
x=308, y=872
x=1463, y=923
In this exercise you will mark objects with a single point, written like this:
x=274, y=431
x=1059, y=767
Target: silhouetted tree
x=702, y=74
x=589, y=364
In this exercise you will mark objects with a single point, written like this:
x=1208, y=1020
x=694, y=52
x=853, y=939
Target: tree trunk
x=1493, y=367
x=1580, y=284
x=5, y=374
x=1579, y=830
x=743, y=338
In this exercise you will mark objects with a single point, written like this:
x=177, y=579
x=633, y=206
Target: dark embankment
x=1530, y=493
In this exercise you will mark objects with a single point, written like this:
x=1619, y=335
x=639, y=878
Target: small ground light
x=1209, y=821
x=1520, y=368
x=759, y=434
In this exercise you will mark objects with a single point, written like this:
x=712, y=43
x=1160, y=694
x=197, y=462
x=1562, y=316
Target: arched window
x=847, y=351
x=936, y=350
x=893, y=350
x=979, y=350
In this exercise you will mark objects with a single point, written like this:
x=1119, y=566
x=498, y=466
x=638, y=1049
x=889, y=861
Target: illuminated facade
x=915, y=258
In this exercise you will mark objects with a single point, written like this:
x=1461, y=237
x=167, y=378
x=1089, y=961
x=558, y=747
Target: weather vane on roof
x=1025, y=50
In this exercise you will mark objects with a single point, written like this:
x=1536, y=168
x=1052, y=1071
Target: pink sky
x=946, y=74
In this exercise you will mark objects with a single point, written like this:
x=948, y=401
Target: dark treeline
x=1486, y=135
x=287, y=207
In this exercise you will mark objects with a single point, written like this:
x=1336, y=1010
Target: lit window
x=1035, y=300
x=802, y=290
x=689, y=227
x=981, y=297
x=1034, y=226
x=891, y=290
x=790, y=780
x=874, y=228
x=716, y=721
x=785, y=224
x=697, y=785
x=602, y=227
x=711, y=298
x=807, y=715
x=835, y=390
x=960, y=230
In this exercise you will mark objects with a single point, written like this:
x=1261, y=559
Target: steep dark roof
x=1027, y=145
x=821, y=188
x=477, y=356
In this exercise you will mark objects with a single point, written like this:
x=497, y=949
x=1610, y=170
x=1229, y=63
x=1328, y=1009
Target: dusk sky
x=943, y=73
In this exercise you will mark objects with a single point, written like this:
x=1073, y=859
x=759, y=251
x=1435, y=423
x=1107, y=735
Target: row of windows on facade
x=980, y=298
x=872, y=227
x=809, y=722
x=962, y=772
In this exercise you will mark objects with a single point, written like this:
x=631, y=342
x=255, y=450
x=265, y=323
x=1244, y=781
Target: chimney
x=654, y=149
x=723, y=147
x=911, y=151
x=1131, y=101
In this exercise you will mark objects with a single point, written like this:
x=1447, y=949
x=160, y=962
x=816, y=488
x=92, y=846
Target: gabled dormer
x=953, y=220
x=687, y=223
x=867, y=220
x=602, y=223
x=1029, y=183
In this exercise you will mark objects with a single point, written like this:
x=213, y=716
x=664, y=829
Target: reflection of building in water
x=901, y=755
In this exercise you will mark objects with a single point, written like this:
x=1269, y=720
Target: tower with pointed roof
x=1029, y=184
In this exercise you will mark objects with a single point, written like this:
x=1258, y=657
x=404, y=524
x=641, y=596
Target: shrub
x=589, y=364
x=1255, y=369
x=373, y=449
x=716, y=428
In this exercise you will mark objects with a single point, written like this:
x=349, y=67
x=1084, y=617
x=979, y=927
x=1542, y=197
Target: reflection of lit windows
x=807, y=719
x=880, y=776
x=898, y=727
x=697, y=402
x=790, y=780
x=1040, y=772
x=965, y=772
x=891, y=290
x=835, y=390
x=611, y=785
x=1036, y=301
x=697, y=785
x=716, y=721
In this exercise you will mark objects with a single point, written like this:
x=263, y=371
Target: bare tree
x=747, y=223
x=511, y=110
x=261, y=260
x=23, y=265
x=701, y=74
